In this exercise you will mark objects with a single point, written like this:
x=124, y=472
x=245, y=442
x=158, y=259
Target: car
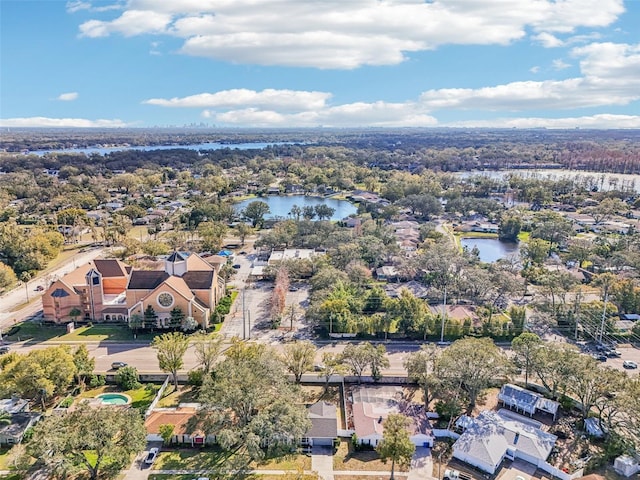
x=4, y=350
x=242, y=253
x=117, y=365
x=601, y=357
x=318, y=368
x=613, y=353
x=237, y=266
x=293, y=289
x=39, y=288
x=151, y=456
x=629, y=364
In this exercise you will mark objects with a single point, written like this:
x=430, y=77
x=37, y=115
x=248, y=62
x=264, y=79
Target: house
x=416, y=288
x=278, y=256
x=324, y=425
x=491, y=438
x=109, y=290
x=13, y=405
x=626, y=465
x=185, y=425
x=592, y=427
x=526, y=401
x=372, y=405
x=12, y=433
x=387, y=273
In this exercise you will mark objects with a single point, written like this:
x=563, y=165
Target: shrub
x=66, y=403
x=127, y=378
x=96, y=381
x=195, y=377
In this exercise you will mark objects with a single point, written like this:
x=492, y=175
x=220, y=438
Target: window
x=165, y=299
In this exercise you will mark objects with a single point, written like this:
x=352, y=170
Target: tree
x=136, y=321
x=525, y=346
x=207, y=349
x=298, y=358
x=150, y=317
x=377, y=359
x=84, y=364
x=75, y=313
x=250, y=403
x=189, y=324
x=243, y=230
x=510, y=226
x=171, y=348
x=324, y=211
x=396, y=445
x=356, y=358
x=127, y=378
x=421, y=367
x=471, y=364
x=255, y=212
x=535, y=251
x=176, y=317
x=96, y=439
x=7, y=276
x=39, y=374
x=166, y=432
x=555, y=366
x=331, y=365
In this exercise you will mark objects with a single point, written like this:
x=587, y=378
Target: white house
x=491, y=438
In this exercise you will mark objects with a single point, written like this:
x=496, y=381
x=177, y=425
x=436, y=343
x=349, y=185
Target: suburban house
x=185, y=429
x=371, y=405
x=109, y=290
x=526, y=401
x=278, y=256
x=13, y=432
x=493, y=437
x=324, y=425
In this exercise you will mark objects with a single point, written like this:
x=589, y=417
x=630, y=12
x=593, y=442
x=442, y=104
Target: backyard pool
x=114, y=398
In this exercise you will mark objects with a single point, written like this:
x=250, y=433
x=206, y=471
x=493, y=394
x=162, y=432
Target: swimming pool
x=114, y=398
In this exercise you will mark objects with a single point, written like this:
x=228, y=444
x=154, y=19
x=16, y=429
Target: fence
x=157, y=398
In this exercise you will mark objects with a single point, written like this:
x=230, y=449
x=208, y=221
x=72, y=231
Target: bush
x=96, y=381
x=195, y=377
x=66, y=403
x=127, y=378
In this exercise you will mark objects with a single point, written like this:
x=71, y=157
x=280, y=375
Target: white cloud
x=346, y=35
x=78, y=5
x=289, y=100
x=68, y=97
x=560, y=64
x=534, y=69
x=547, y=40
x=611, y=76
x=60, y=122
x=595, y=121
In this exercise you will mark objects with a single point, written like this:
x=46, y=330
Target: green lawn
x=213, y=459
x=4, y=452
x=524, y=236
x=477, y=235
x=96, y=333
x=171, y=398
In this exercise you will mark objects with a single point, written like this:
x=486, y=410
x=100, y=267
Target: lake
x=281, y=205
x=491, y=249
x=196, y=146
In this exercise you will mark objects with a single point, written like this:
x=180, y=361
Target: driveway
x=322, y=462
x=421, y=465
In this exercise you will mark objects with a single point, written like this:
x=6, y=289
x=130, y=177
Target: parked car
x=39, y=288
x=117, y=365
x=601, y=357
x=4, y=350
x=237, y=266
x=613, y=353
x=629, y=364
x=151, y=456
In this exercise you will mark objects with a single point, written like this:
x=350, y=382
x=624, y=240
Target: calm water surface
x=491, y=249
x=281, y=205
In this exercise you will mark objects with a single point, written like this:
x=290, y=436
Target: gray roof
x=489, y=436
x=146, y=279
x=324, y=420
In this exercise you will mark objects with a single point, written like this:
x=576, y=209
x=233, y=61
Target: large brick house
x=109, y=290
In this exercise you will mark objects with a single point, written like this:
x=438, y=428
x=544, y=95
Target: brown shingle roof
x=146, y=279
x=198, y=280
x=179, y=417
x=180, y=286
x=110, y=268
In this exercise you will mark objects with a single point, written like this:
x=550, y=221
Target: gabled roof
x=60, y=293
x=111, y=268
x=198, y=280
x=324, y=420
x=180, y=418
x=179, y=285
x=146, y=279
x=176, y=257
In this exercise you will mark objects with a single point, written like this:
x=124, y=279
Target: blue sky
x=306, y=63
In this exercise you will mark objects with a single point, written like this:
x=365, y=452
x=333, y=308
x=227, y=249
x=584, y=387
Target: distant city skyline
x=293, y=63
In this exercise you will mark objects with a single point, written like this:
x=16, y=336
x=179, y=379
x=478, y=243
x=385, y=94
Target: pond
x=491, y=249
x=280, y=205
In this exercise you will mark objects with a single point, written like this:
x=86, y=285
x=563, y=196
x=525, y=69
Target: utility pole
x=604, y=317
x=577, y=313
x=444, y=313
x=244, y=326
